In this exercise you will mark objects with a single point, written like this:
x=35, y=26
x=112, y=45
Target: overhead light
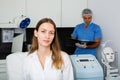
x=23, y=22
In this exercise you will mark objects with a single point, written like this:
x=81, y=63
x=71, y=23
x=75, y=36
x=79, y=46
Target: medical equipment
x=86, y=67
x=108, y=57
x=23, y=22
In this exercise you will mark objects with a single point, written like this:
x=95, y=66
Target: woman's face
x=45, y=34
x=87, y=18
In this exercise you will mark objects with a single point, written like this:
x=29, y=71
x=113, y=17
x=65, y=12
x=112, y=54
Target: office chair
x=14, y=65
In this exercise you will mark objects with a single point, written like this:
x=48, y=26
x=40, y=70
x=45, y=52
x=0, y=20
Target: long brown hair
x=55, y=47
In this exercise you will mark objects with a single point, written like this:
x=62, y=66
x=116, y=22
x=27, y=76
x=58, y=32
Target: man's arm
x=96, y=44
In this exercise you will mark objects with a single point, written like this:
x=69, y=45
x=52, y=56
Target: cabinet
x=38, y=9
x=65, y=13
x=9, y=11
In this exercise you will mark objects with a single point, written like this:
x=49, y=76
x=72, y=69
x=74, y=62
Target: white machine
x=108, y=57
x=86, y=67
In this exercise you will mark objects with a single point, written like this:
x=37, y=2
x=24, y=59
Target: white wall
x=107, y=15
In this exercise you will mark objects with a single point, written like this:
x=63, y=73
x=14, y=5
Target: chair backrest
x=17, y=43
x=14, y=65
x=108, y=54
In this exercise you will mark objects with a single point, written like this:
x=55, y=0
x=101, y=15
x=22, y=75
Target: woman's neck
x=44, y=51
x=42, y=54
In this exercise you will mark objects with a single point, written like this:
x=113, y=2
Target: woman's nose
x=47, y=35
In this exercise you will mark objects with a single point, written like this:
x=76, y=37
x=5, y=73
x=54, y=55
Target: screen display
x=84, y=60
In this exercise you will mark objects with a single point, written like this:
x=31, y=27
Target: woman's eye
x=51, y=32
x=43, y=31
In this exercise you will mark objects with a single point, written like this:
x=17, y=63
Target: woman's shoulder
x=64, y=55
x=30, y=56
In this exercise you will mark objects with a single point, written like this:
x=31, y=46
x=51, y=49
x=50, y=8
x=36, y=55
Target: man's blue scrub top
x=86, y=34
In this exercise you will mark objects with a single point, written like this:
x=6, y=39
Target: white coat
x=32, y=69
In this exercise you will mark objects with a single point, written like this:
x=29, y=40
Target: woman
x=46, y=61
